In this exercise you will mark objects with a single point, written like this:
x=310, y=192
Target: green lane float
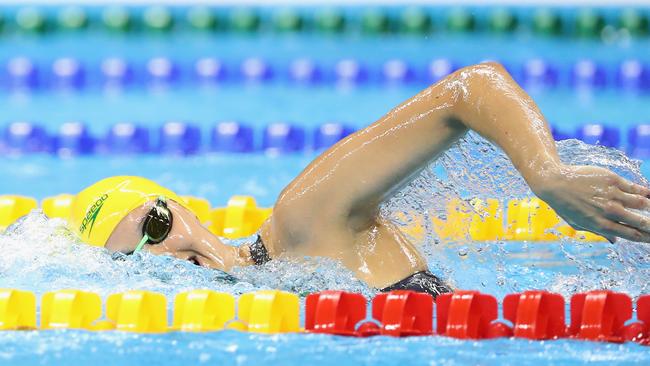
x=244, y=20
x=589, y=23
x=288, y=20
x=31, y=20
x=633, y=21
x=502, y=21
x=547, y=22
x=202, y=18
x=72, y=18
x=375, y=21
x=460, y=20
x=415, y=21
x=158, y=18
x=117, y=19
x=586, y=23
x=329, y=21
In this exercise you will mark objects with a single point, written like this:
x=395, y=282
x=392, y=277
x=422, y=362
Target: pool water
x=39, y=255
x=233, y=348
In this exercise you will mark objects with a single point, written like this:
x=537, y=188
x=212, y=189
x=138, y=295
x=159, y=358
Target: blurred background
x=216, y=98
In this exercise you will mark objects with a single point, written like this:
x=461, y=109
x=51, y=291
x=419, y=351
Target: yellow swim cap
x=98, y=209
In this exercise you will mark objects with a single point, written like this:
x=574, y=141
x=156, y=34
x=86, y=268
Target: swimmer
x=331, y=208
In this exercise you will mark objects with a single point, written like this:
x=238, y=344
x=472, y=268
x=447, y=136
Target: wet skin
x=331, y=208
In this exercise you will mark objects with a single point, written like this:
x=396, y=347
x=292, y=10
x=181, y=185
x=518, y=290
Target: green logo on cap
x=91, y=215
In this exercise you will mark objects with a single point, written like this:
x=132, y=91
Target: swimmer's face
x=188, y=239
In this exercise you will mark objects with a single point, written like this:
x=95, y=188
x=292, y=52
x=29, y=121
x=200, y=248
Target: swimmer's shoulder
x=298, y=230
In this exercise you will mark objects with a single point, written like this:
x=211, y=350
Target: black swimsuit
x=423, y=281
x=258, y=251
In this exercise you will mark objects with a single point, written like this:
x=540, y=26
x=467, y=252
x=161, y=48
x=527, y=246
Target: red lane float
x=599, y=315
x=641, y=332
x=334, y=312
x=469, y=315
x=397, y=313
x=535, y=315
x=404, y=313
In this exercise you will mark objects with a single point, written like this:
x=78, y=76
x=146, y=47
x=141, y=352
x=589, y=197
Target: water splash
x=40, y=255
x=475, y=168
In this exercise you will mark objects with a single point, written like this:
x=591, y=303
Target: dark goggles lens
x=158, y=223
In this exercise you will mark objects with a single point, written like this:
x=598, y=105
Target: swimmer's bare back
x=331, y=208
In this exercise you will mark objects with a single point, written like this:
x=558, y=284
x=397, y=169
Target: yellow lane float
x=528, y=219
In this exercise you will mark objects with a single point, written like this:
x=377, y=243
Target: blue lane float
x=209, y=70
x=24, y=137
x=539, y=72
x=74, y=138
x=587, y=74
x=282, y=138
x=305, y=71
x=21, y=73
x=179, y=138
x=68, y=73
x=162, y=70
x=559, y=134
x=255, y=69
x=639, y=140
x=597, y=134
x=397, y=72
x=232, y=137
x=126, y=138
x=350, y=71
x=633, y=74
x=329, y=134
x=116, y=72
x=440, y=68
x=185, y=138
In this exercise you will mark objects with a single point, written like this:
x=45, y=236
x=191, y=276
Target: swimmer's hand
x=597, y=200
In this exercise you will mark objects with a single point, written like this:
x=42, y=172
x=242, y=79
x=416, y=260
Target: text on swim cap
x=91, y=214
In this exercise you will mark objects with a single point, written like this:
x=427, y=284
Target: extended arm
x=356, y=175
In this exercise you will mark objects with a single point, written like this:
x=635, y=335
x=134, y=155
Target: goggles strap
x=144, y=241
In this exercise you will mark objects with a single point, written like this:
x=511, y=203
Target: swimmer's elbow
x=470, y=85
x=482, y=71
x=492, y=66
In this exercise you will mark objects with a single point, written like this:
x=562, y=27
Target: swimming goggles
x=157, y=224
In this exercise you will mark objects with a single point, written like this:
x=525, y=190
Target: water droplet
x=462, y=251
